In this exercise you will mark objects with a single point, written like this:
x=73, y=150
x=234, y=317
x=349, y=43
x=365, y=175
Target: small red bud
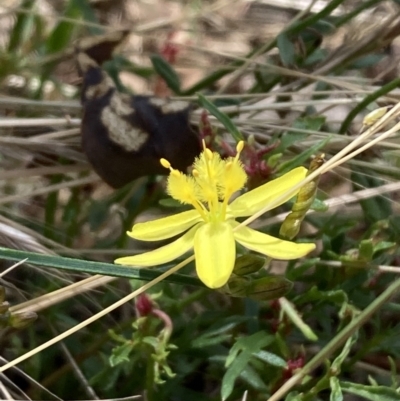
x=144, y=305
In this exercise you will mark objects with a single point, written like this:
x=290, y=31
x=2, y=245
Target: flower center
x=211, y=185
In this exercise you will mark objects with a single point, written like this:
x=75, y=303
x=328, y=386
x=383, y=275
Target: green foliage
x=221, y=117
x=165, y=71
x=336, y=332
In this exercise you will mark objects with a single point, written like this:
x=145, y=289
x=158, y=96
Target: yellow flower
x=211, y=226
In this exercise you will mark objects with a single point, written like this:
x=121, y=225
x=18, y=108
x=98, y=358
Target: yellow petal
x=214, y=249
x=165, y=227
x=163, y=254
x=253, y=201
x=270, y=246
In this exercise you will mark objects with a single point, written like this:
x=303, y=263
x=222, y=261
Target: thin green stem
x=368, y=99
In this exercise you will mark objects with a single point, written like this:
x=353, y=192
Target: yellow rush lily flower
x=211, y=226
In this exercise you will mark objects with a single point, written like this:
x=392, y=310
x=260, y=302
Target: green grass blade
x=85, y=266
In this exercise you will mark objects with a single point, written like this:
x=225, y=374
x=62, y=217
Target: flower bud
x=261, y=289
x=247, y=264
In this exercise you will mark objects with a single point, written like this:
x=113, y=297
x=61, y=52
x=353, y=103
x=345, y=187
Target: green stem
x=368, y=99
x=336, y=342
x=149, y=376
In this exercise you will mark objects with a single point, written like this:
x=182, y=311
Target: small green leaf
x=314, y=294
x=337, y=363
x=286, y=48
x=237, y=361
x=257, y=341
x=22, y=29
x=302, y=157
x=366, y=250
x=372, y=393
x=294, y=396
x=152, y=341
x=221, y=117
x=319, y=205
x=291, y=312
x=121, y=353
x=61, y=35
x=207, y=341
x=166, y=72
x=383, y=246
x=297, y=272
x=232, y=373
x=253, y=378
x=336, y=391
x=270, y=358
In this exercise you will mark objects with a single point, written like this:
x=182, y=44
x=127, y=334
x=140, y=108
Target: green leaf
x=22, y=29
x=372, y=393
x=366, y=250
x=221, y=117
x=121, y=353
x=166, y=72
x=314, y=294
x=294, y=396
x=219, y=332
x=208, y=341
x=232, y=373
x=336, y=391
x=286, y=48
x=337, y=363
x=383, y=246
x=252, y=377
x=319, y=205
x=239, y=356
x=61, y=35
x=295, y=273
x=302, y=157
x=80, y=265
x=270, y=358
x=152, y=341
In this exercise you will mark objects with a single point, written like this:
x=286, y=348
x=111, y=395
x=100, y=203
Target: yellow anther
x=165, y=163
x=239, y=146
x=208, y=153
x=176, y=173
x=195, y=173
